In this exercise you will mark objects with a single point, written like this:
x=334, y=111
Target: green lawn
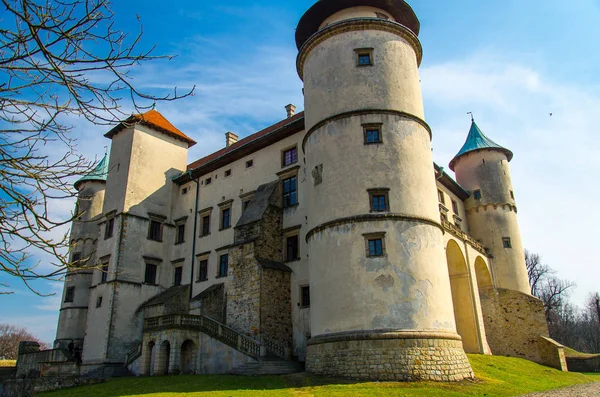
x=575, y=354
x=497, y=376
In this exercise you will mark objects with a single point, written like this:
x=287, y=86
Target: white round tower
x=376, y=258
x=482, y=168
x=84, y=233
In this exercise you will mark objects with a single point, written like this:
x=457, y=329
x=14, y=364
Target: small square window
x=223, y=265
x=108, y=228
x=98, y=302
x=376, y=247
x=180, y=239
x=70, y=295
x=441, y=197
x=290, y=194
x=208, y=181
x=455, y=206
x=249, y=163
x=372, y=134
x=364, y=56
x=205, y=230
x=184, y=191
x=203, y=270
x=155, y=230
x=227, y=173
x=477, y=194
x=150, y=274
x=304, y=296
x=289, y=157
x=178, y=276
x=225, y=218
x=75, y=259
x=506, y=242
x=104, y=273
x=292, y=252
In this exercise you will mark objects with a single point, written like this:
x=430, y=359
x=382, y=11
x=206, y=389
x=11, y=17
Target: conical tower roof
x=99, y=173
x=477, y=140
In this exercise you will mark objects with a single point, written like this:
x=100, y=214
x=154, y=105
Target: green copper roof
x=99, y=173
x=476, y=140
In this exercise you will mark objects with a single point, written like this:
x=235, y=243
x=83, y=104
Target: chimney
x=291, y=110
x=230, y=139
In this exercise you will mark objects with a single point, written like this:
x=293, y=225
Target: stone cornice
x=353, y=25
x=362, y=112
x=370, y=218
x=486, y=206
x=381, y=335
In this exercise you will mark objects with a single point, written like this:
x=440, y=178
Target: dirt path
x=588, y=390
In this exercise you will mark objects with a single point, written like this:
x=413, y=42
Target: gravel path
x=589, y=390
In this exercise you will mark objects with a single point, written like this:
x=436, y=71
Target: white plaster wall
x=355, y=12
x=462, y=214
x=333, y=83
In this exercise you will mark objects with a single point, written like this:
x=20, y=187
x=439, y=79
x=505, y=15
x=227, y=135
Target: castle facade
x=329, y=239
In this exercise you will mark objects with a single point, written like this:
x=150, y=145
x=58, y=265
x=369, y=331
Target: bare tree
x=596, y=305
x=60, y=60
x=10, y=337
x=536, y=270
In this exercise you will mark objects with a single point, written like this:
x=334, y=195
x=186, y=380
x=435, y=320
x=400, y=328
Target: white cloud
x=556, y=157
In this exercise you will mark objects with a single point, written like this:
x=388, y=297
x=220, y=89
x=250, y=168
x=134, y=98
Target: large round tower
x=379, y=279
x=482, y=168
x=84, y=234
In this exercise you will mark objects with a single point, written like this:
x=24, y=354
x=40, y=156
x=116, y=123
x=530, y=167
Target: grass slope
x=497, y=376
x=572, y=353
x=8, y=363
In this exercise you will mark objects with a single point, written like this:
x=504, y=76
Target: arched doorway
x=148, y=363
x=162, y=359
x=462, y=298
x=484, y=278
x=188, y=357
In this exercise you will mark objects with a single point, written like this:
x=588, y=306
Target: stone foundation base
x=389, y=356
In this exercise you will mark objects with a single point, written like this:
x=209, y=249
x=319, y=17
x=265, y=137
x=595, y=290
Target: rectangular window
x=108, y=228
x=506, y=242
x=75, y=259
x=227, y=173
x=203, y=270
x=104, y=274
x=177, y=278
x=180, y=234
x=376, y=247
x=223, y=265
x=205, y=231
x=364, y=56
x=184, y=191
x=477, y=194
x=455, y=206
x=444, y=218
x=441, y=197
x=249, y=163
x=225, y=218
x=290, y=195
x=292, y=252
x=70, y=295
x=304, y=296
x=208, y=181
x=98, y=302
x=372, y=134
x=155, y=231
x=245, y=205
x=378, y=203
x=150, y=274
x=289, y=157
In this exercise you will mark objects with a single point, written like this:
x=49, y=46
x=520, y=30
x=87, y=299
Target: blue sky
x=510, y=62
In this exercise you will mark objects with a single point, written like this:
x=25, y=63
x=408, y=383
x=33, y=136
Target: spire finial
x=472, y=118
x=105, y=150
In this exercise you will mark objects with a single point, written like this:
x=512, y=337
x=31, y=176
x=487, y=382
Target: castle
x=329, y=238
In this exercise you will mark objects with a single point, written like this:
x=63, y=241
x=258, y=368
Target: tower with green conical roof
x=482, y=168
x=76, y=292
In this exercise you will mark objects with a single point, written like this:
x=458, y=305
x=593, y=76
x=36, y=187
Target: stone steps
x=269, y=367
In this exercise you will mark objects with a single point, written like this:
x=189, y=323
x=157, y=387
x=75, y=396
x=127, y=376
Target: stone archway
x=161, y=366
x=462, y=298
x=188, y=357
x=484, y=278
x=148, y=359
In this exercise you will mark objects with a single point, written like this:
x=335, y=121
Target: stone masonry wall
x=243, y=292
x=213, y=305
x=276, y=303
x=390, y=360
x=514, y=322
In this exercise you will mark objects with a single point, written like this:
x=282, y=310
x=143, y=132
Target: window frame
x=454, y=206
x=506, y=242
x=294, y=158
x=220, y=267
x=292, y=237
x=228, y=173
x=109, y=228
x=288, y=203
x=360, y=52
x=180, y=230
x=249, y=164
x=367, y=127
x=477, y=195
x=70, y=294
x=369, y=237
x=379, y=192
x=441, y=197
x=205, y=214
x=177, y=269
x=208, y=181
x=302, y=302
x=150, y=265
x=159, y=220
x=225, y=208
x=104, y=272
x=203, y=268
x=99, y=302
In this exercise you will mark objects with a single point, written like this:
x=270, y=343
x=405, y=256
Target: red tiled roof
x=243, y=142
x=155, y=120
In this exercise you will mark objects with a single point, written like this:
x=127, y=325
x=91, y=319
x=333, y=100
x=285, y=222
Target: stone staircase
x=269, y=367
